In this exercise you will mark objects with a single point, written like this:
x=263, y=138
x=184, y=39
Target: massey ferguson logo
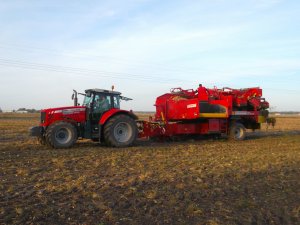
x=72, y=111
x=69, y=111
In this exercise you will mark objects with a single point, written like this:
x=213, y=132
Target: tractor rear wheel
x=120, y=131
x=237, y=132
x=61, y=135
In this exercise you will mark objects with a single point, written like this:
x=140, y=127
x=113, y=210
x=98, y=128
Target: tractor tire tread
x=49, y=135
x=109, y=138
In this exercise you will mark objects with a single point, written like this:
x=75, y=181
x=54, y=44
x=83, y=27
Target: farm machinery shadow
x=192, y=139
x=270, y=133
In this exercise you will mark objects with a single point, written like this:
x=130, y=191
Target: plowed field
x=256, y=181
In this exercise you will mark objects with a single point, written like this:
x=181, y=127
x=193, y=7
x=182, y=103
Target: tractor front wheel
x=61, y=135
x=120, y=131
x=237, y=132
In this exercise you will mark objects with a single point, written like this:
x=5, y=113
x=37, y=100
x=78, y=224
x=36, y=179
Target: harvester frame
x=226, y=111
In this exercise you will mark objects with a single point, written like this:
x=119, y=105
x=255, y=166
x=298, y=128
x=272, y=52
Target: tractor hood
x=73, y=114
x=65, y=110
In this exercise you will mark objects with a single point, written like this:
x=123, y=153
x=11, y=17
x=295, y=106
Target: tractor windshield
x=88, y=100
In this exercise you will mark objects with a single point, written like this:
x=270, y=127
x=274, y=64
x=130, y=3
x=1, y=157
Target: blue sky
x=144, y=48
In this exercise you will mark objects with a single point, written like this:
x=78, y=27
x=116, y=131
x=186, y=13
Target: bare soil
x=208, y=181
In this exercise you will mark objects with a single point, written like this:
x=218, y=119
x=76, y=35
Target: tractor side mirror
x=72, y=97
x=125, y=98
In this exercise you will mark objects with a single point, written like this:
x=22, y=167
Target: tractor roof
x=102, y=91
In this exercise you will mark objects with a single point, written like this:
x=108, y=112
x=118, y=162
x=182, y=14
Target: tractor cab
x=100, y=104
x=99, y=100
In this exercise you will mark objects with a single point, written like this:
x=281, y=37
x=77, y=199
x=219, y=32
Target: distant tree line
x=23, y=110
x=287, y=112
x=28, y=110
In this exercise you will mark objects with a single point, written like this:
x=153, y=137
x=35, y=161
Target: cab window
x=102, y=103
x=116, y=100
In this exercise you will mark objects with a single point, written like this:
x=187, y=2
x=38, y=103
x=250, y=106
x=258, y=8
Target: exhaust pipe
x=74, y=97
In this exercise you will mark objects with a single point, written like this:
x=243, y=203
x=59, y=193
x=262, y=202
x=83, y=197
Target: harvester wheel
x=237, y=132
x=120, y=131
x=61, y=135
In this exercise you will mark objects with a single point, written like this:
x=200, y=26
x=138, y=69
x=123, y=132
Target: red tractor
x=181, y=112
x=99, y=118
